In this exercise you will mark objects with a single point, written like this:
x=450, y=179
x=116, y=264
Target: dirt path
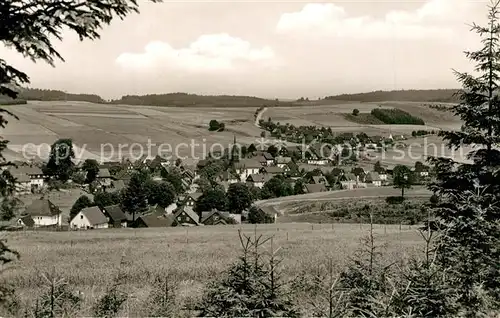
x=259, y=116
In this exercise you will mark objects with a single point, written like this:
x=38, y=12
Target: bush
x=396, y=117
x=394, y=200
x=213, y=125
x=355, y=112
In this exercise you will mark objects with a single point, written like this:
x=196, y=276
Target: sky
x=272, y=49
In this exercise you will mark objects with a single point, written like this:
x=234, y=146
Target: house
x=269, y=210
x=185, y=216
x=44, y=213
x=349, y=180
x=104, y=177
x=246, y=167
x=314, y=188
x=117, y=218
x=269, y=158
x=116, y=185
x=258, y=180
x=317, y=161
x=89, y=218
x=261, y=159
x=274, y=170
x=374, y=178
x=22, y=184
x=26, y=221
x=214, y=217
x=152, y=220
x=227, y=176
x=35, y=174
x=192, y=198
x=282, y=161
x=320, y=180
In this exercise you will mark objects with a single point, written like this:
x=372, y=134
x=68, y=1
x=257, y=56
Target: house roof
x=207, y=214
x=272, y=169
x=42, y=207
x=319, y=179
x=260, y=158
x=268, y=156
x=282, y=159
x=115, y=213
x=94, y=215
x=27, y=220
x=22, y=178
x=268, y=209
x=318, y=187
x=26, y=170
x=104, y=173
x=247, y=164
x=118, y=184
x=259, y=177
x=152, y=220
x=373, y=176
x=195, y=196
x=190, y=212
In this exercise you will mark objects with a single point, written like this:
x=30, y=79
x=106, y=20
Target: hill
x=56, y=95
x=412, y=95
x=184, y=99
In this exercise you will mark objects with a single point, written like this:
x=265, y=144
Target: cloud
x=210, y=52
x=433, y=19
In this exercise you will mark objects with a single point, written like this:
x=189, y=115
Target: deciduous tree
x=91, y=167
x=239, y=197
x=402, y=178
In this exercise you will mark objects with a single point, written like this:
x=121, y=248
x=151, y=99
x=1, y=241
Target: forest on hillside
x=413, y=95
x=185, y=99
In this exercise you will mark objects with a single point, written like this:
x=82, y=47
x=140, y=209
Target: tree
x=468, y=193
x=103, y=199
x=30, y=28
x=212, y=199
x=161, y=193
x=174, y=177
x=81, y=203
x=251, y=148
x=402, y=178
x=273, y=150
x=60, y=164
x=213, y=125
x=239, y=197
x=277, y=187
x=377, y=167
x=135, y=198
x=257, y=216
x=92, y=168
x=298, y=188
x=178, y=162
x=355, y=112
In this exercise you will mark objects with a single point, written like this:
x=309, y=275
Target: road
x=363, y=193
x=259, y=116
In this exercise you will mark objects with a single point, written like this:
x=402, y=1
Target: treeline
x=396, y=117
x=56, y=95
x=184, y=99
x=412, y=95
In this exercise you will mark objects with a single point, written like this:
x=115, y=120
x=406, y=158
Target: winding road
x=259, y=116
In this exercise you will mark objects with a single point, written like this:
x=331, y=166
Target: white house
x=382, y=176
x=35, y=174
x=317, y=162
x=44, y=213
x=89, y=218
x=374, y=178
x=282, y=161
x=246, y=167
x=258, y=179
x=104, y=177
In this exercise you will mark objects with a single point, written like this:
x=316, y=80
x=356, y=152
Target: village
x=216, y=191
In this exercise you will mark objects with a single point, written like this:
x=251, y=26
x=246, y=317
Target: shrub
x=394, y=200
x=213, y=125
x=256, y=215
x=396, y=117
x=252, y=287
x=355, y=112
x=161, y=300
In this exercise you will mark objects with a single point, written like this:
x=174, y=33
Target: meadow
x=191, y=257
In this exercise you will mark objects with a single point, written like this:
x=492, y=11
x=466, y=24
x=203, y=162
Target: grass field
x=192, y=256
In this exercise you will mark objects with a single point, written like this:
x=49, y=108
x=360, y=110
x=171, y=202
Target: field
x=88, y=260
x=98, y=129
